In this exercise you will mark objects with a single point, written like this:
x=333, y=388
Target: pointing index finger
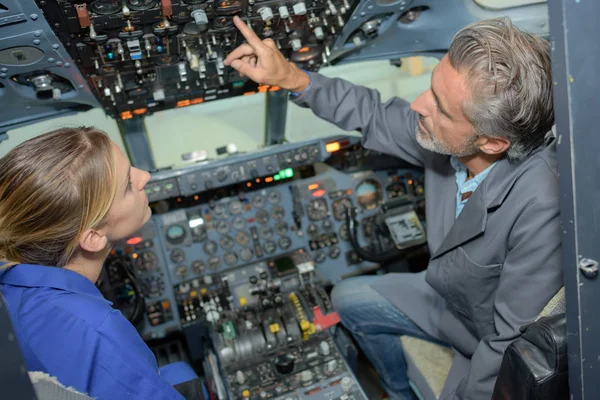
x=250, y=36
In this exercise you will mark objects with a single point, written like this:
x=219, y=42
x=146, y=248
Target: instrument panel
x=246, y=209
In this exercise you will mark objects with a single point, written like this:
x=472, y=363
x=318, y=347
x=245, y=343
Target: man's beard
x=430, y=142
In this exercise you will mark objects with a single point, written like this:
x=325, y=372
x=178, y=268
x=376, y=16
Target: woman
x=64, y=198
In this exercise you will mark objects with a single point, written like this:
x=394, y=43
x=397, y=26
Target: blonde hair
x=52, y=188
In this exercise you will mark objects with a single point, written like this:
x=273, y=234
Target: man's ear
x=93, y=240
x=493, y=145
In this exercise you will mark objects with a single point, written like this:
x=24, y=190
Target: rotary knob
x=284, y=364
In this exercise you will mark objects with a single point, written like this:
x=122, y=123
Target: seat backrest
x=15, y=381
x=556, y=305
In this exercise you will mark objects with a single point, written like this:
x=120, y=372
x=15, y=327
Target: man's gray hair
x=508, y=75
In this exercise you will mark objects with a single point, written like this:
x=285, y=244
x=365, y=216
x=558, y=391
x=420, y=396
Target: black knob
x=284, y=363
x=253, y=280
x=264, y=276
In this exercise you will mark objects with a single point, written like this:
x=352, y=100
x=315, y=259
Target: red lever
x=167, y=8
x=323, y=322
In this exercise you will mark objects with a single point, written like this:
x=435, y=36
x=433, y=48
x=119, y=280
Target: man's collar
x=28, y=275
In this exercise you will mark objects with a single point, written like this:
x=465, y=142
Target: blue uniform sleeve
x=101, y=355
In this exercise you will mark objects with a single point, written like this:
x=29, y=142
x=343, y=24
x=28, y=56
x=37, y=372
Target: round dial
x=198, y=267
x=105, y=7
x=368, y=193
x=236, y=207
x=220, y=211
x=152, y=286
x=146, y=261
x=230, y=258
x=285, y=242
x=334, y=252
x=175, y=234
x=274, y=197
x=396, y=189
x=270, y=247
x=242, y=238
x=281, y=228
x=238, y=223
x=278, y=213
x=226, y=242
x=181, y=271
x=140, y=5
x=177, y=255
x=258, y=201
x=266, y=231
x=214, y=262
x=343, y=232
x=317, y=209
x=246, y=254
x=262, y=217
x=339, y=208
x=222, y=227
x=210, y=247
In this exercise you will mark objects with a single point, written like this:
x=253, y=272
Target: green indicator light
x=238, y=84
x=276, y=177
x=289, y=172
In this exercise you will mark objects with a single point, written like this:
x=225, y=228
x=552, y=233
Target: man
x=492, y=199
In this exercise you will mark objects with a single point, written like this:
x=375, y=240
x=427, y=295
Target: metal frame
x=576, y=56
x=275, y=117
x=135, y=137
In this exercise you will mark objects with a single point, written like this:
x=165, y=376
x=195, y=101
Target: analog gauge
x=181, y=271
x=226, y=242
x=236, y=207
x=198, y=267
x=140, y=5
x=262, y=217
x=238, y=223
x=222, y=227
x=266, y=231
x=327, y=225
x=418, y=188
x=105, y=7
x=396, y=189
x=230, y=258
x=199, y=233
x=281, y=228
x=177, y=256
x=319, y=257
x=210, y=247
x=258, y=201
x=368, y=193
x=343, y=232
x=246, y=254
x=214, y=262
x=270, y=247
x=274, y=197
x=312, y=230
x=334, y=252
x=175, y=234
x=242, y=238
x=146, y=261
x=220, y=211
x=317, y=209
x=152, y=286
x=285, y=242
x=339, y=208
x=278, y=213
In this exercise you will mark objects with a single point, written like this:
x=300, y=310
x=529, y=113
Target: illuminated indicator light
x=246, y=393
x=304, y=49
x=349, y=191
x=274, y=88
x=318, y=193
x=263, y=88
x=203, y=290
x=126, y=115
x=248, y=207
x=128, y=250
x=269, y=179
x=207, y=218
x=257, y=180
x=134, y=255
x=183, y=103
x=134, y=240
x=410, y=182
x=140, y=111
x=166, y=305
x=197, y=100
x=313, y=186
x=312, y=391
x=289, y=172
x=250, y=220
x=238, y=84
x=196, y=197
x=276, y=177
x=249, y=93
x=179, y=200
x=249, y=184
x=113, y=252
x=110, y=56
x=331, y=147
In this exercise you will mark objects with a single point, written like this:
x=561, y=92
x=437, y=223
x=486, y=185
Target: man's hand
x=262, y=62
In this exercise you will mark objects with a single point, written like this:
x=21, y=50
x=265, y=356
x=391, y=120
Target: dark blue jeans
x=377, y=326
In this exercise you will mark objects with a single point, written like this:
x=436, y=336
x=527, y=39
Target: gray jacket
x=492, y=269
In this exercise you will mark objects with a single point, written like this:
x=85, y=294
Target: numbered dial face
x=368, y=193
x=339, y=208
x=175, y=234
x=317, y=209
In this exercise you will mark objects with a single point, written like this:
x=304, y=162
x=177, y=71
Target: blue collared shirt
x=464, y=186
x=67, y=329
